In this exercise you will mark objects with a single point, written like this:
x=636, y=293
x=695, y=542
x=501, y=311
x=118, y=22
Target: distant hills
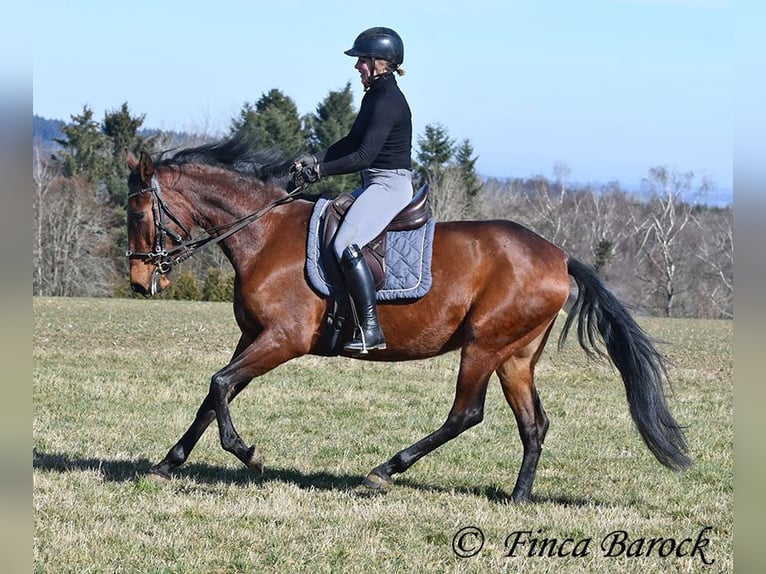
x=46, y=130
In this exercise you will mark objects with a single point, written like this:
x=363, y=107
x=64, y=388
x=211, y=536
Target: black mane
x=238, y=153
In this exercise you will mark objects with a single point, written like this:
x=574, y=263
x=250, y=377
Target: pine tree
x=272, y=123
x=333, y=120
x=122, y=130
x=436, y=151
x=466, y=163
x=86, y=150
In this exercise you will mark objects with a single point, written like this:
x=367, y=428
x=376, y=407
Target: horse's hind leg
x=517, y=381
x=467, y=411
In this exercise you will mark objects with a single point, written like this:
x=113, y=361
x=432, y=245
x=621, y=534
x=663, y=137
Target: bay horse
x=497, y=289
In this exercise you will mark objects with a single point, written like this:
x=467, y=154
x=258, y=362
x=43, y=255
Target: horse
x=497, y=289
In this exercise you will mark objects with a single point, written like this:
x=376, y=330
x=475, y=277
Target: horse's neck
x=219, y=202
x=225, y=198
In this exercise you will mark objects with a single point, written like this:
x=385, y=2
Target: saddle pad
x=408, y=260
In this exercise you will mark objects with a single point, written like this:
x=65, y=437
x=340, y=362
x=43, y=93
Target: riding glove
x=304, y=171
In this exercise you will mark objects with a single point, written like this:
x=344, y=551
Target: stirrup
x=358, y=345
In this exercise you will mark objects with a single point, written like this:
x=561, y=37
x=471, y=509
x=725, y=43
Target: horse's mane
x=238, y=153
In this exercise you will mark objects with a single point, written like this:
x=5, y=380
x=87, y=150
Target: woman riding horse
x=380, y=146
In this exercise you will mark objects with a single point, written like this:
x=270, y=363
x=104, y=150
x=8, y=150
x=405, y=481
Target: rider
x=380, y=145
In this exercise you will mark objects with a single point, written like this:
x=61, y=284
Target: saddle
x=413, y=216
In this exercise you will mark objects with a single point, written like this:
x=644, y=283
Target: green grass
x=116, y=383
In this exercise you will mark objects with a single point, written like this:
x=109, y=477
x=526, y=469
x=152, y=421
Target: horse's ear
x=131, y=159
x=145, y=167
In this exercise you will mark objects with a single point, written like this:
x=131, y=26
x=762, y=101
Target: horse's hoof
x=255, y=460
x=519, y=499
x=157, y=476
x=374, y=481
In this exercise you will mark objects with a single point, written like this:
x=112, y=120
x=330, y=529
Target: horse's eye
x=135, y=216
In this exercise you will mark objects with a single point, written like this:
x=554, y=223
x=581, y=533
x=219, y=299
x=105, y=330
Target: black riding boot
x=368, y=336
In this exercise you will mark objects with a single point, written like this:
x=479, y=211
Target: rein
x=165, y=259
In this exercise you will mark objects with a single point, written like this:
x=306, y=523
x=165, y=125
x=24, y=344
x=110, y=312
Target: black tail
x=602, y=317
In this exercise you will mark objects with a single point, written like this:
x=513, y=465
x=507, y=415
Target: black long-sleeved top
x=381, y=136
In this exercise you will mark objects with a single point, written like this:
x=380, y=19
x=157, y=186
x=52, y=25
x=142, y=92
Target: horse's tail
x=602, y=316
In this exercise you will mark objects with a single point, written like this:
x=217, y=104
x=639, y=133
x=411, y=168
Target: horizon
x=717, y=196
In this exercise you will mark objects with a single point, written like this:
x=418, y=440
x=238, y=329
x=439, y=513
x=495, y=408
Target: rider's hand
x=305, y=176
x=302, y=162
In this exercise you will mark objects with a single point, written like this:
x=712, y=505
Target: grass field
x=116, y=383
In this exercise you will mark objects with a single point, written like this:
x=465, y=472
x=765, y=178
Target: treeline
x=664, y=255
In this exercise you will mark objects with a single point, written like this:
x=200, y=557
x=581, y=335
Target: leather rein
x=164, y=258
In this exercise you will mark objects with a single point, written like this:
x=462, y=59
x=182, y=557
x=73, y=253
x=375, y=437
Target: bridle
x=164, y=258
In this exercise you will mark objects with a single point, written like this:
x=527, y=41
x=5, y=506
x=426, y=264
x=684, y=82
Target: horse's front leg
x=251, y=359
x=268, y=351
x=179, y=452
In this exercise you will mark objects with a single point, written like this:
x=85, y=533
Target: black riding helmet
x=380, y=44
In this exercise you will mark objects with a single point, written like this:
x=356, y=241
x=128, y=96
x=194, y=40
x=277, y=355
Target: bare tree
x=661, y=231
x=554, y=212
x=72, y=240
x=43, y=174
x=715, y=251
x=608, y=221
x=449, y=198
x=500, y=199
x=561, y=172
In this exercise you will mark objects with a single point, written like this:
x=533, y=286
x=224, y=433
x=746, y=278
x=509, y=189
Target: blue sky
x=610, y=88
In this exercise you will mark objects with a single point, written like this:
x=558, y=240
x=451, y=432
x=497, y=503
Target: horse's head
x=221, y=187
x=147, y=233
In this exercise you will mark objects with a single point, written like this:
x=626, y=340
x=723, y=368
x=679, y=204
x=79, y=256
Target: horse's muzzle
x=157, y=283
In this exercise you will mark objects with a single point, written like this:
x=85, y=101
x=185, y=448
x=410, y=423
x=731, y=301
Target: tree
x=607, y=224
x=435, y=151
x=273, y=123
x=86, y=149
x=72, y=242
x=450, y=172
x=121, y=129
x=662, y=247
x=218, y=286
x=184, y=288
x=333, y=120
x=43, y=175
x=715, y=253
x=449, y=200
x=466, y=164
x=96, y=151
x=554, y=212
